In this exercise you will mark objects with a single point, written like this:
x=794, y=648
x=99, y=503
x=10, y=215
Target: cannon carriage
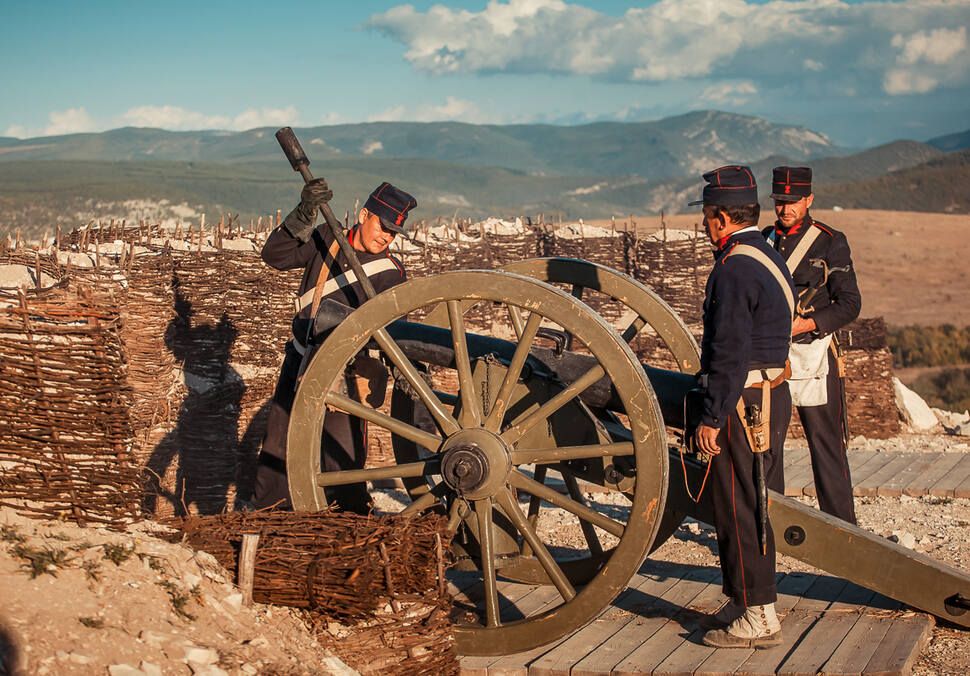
x=478, y=443
x=554, y=395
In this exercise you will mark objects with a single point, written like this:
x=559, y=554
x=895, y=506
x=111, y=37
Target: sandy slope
x=913, y=268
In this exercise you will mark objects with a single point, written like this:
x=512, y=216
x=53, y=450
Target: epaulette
x=824, y=228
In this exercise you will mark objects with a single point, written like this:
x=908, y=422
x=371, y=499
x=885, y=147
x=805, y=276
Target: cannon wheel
x=644, y=309
x=647, y=309
x=482, y=444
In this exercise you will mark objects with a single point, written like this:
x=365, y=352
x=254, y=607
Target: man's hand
x=299, y=222
x=315, y=194
x=802, y=325
x=705, y=440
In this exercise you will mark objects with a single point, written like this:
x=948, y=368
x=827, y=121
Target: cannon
x=517, y=412
x=549, y=387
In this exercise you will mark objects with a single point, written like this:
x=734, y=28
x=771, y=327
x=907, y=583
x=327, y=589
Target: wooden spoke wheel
x=474, y=466
x=644, y=308
x=639, y=308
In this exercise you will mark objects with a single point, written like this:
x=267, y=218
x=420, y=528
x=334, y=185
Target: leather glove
x=299, y=222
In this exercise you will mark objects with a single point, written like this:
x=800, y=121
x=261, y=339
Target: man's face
x=374, y=237
x=712, y=223
x=791, y=213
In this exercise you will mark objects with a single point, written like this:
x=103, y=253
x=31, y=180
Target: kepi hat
x=790, y=184
x=729, y=186
x=391, y=205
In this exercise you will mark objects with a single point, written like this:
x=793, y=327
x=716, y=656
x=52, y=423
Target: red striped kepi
x=790, y=184
x=391, y=205
x=729, y=186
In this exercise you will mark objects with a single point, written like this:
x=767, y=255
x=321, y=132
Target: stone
x=962, y=430
x=234, y=601
x=201, y=656
x=912, y=408
x=207, y=670
x=951, y=419
x=903, y=538
x=151, y=669
x=124, y=670
x=334, y=666
x=21, y=276
x=153, y=638
x=78, y=658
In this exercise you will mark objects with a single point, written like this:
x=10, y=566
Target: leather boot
x=758, y=627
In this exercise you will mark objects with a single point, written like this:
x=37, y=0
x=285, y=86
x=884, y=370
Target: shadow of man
x=204, y=440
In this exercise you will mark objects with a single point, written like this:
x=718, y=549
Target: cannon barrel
x=433, y=345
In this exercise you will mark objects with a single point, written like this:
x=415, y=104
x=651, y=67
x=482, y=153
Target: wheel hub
x=475, y=463
x=464, y=468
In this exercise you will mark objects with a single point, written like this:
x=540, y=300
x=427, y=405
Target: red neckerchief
x=793, y=229
x=350, y=236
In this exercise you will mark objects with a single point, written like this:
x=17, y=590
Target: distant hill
x=590, y=171
x=674, y=146
x=952, y=142
x=938, y=185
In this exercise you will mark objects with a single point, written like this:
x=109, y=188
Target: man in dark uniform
x=820, y=263
x=298, y=244
x=747, y=327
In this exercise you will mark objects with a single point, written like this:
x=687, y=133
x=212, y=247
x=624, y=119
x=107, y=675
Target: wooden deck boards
x=829, y=626
x=888, y=474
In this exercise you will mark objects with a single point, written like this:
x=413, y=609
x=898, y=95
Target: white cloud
x=59, y=122
x=928, y=59
x=937, y=46
x=830, y=42
x=729, y=92
x=172, y=118
x=454, y=109
x=175, y=118
x=372, y=147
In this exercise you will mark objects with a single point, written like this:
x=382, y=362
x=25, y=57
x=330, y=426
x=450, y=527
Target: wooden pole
x=247, y=566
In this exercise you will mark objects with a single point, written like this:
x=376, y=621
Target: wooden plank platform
x=889, y=474
x=829, y=626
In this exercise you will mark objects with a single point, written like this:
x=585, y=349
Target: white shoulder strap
x=799, y=253
x=345, y=279
x=761, y=257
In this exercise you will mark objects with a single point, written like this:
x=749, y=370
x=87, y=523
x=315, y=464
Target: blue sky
x=860, y=72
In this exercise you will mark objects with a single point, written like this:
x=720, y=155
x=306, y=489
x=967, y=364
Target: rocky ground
x=89, y=601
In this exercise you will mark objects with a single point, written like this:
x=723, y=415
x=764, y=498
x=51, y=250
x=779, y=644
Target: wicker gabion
x=65, y=429
x=373, y=587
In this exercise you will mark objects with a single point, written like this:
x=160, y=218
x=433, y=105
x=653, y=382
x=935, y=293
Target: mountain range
x=592, y=170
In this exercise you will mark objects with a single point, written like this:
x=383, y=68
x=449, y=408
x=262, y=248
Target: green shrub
x=948, y=389
x=915, y=345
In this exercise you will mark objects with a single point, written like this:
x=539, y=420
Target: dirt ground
x=912, y=267
x=89, y=601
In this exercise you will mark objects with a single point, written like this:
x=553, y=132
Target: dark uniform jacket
x=836, y=303
x=285, y=252
x=747, y=323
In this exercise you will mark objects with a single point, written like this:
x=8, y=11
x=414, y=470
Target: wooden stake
x=247, y=566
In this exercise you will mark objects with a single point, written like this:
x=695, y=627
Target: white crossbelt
x=758, y=255
x=345, y=279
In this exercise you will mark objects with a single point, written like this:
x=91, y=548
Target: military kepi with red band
x=391, y=205
x=790, y=184
x=728, y=187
